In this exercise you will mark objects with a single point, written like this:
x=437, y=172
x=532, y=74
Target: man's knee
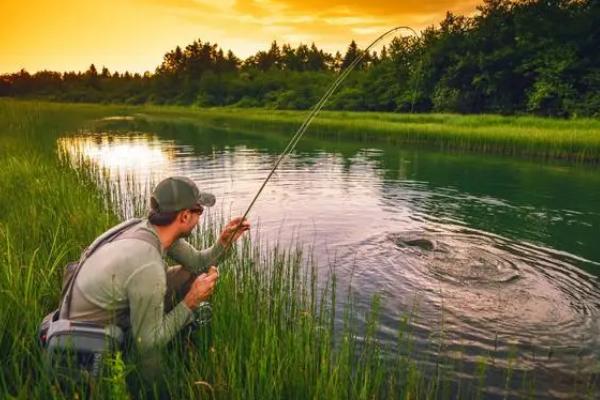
x=179, y=281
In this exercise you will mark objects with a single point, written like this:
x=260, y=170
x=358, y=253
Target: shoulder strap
x=141, y=234
x=106, y=237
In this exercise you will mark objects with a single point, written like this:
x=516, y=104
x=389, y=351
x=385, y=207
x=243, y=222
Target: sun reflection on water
x=121, y=154
x=134, y=161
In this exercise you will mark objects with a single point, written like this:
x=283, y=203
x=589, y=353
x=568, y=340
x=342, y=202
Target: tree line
x=531, y=56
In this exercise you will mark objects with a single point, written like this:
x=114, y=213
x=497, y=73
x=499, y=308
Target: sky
x=133, y=35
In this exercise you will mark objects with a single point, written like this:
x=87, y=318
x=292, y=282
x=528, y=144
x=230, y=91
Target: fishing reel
x=199, y=330
x=202, y=316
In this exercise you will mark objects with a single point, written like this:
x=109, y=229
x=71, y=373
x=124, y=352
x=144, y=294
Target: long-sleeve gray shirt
x=124, y=282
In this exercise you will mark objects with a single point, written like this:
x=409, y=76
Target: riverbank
x=576, y=140
x=573, y=140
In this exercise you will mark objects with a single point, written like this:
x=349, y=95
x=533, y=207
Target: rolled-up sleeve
x=195, y=261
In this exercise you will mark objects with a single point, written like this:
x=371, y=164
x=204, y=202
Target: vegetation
x=577, y=140
x=273, y=328
x=523, y=136
x=514, y=56
x=534, y=137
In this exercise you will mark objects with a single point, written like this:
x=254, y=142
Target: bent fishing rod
x=313, y=114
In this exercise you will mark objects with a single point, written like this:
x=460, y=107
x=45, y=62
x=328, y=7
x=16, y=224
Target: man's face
x=188, y=221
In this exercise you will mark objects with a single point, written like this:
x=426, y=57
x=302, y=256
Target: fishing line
x=314, y=112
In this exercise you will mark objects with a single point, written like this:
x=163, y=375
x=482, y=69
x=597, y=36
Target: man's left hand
x=233, y=230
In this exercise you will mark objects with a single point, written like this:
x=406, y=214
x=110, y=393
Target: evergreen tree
x=351, y=54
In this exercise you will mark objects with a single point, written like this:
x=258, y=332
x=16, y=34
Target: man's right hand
x=201, y=289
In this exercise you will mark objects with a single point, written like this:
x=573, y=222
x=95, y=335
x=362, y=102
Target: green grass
x=273, y=329
x=523, y=136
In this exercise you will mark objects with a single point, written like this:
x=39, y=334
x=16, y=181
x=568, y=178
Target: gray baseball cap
x=178, y=193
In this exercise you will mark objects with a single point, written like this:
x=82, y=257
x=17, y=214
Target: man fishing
x=125, y=280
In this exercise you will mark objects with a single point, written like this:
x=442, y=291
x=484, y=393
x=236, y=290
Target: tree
x=232, y=62
x=351, y=54
x=91, y=72
x=317, y=60
x=91, y=77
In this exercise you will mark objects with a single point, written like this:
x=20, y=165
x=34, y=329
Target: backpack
x=77, y=349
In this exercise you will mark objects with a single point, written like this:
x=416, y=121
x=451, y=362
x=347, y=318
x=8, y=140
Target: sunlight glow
x=138, y=155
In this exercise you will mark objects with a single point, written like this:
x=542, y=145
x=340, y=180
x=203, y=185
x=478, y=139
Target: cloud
x=188, y=6
x=330, y=24
x=330, y=12
x=365, y=8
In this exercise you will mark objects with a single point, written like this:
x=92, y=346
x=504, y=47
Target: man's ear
x=183, y=216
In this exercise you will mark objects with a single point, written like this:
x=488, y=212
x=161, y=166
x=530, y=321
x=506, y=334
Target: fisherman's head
x=176, y=201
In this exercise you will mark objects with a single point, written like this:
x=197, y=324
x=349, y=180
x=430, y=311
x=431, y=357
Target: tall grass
x=274, y=328
x=523, y=136
x=47, y=215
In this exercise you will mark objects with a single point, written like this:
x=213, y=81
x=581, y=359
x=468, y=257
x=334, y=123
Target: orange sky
x=134, y=35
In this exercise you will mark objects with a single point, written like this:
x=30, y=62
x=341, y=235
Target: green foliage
x=348, y=98
x=115, y=377
x=574, y=139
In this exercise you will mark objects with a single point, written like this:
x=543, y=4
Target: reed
x=576, y=140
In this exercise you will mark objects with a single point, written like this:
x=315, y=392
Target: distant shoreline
x=574, y=140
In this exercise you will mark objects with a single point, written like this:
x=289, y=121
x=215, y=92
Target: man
x=127, y=282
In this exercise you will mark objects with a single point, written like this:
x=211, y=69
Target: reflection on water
x=134, y=163
x=497, y=251
x=139, y=155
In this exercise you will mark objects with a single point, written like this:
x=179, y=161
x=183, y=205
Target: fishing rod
x=313, y=114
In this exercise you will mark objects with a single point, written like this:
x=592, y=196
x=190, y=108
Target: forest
x=497, y=61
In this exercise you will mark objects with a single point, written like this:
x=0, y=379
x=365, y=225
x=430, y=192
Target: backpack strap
x=106, y=237
x=141, y=234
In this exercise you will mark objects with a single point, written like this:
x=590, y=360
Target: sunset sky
x=134, y=35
